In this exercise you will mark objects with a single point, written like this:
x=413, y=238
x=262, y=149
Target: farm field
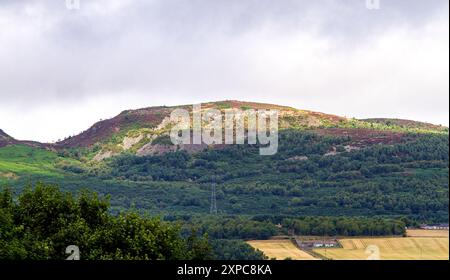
x=17, y=160
x=426, y=233
x=401, y=248
x=280, y=249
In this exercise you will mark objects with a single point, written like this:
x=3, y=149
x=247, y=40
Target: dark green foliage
x=235, y=250
x=405, y=179
x=374, y=191
x=331, y=226
x=236, y=227
x=169, y=167
x=44, y=221
x=262, y=227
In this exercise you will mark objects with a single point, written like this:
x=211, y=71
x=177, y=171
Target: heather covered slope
x=145, y=131
x=154, y=120
x=5, y=139
x=117, y=127
x=133, y=127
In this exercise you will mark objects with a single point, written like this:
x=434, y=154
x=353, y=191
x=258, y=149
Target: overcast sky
x=62, y=70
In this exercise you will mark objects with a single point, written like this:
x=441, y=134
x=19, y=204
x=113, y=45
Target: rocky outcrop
x=103, y=155
x=129, y=142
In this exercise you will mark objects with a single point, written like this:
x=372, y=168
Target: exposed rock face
x=165, y=122
x=129, y=142
x=103, y=155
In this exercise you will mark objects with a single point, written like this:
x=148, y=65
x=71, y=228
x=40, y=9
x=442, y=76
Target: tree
x=45, y=220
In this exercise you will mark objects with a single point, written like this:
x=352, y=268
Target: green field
x=19, y=160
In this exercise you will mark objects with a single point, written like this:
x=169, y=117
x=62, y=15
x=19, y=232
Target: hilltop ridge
x=5, y=139
x=131, y=127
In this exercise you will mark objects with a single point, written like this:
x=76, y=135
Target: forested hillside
x=330, y=176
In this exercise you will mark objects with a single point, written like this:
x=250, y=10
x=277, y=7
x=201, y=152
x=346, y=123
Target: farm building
x=325, y=244
x=317, y=244
x=435, y=226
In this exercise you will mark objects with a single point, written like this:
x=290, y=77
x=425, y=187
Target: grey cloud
x=277, y=51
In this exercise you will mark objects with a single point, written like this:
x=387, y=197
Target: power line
x=213, y=209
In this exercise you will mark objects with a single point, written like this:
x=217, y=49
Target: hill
x=5, y=139
x=326, y=165
x=132, y=127
x=144, y=120
x=145, y=131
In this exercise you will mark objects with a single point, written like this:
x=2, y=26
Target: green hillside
x=17, y=161
x=325, y=166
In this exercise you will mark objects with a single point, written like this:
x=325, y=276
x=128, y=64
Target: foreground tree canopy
x=43, y=221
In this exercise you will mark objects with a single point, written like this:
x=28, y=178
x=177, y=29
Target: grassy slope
x=19, y=160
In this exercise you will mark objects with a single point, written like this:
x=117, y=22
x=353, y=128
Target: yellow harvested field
x=280, y=249
x=426, y=233
x=401, y=248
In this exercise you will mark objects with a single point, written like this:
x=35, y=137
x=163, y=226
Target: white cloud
x=61, y=70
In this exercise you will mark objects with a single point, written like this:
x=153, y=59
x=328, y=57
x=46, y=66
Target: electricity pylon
x=213, y=209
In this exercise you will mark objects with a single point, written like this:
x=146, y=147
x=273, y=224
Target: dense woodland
x=303, y=190
x=264, y=227
x=406, y=179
